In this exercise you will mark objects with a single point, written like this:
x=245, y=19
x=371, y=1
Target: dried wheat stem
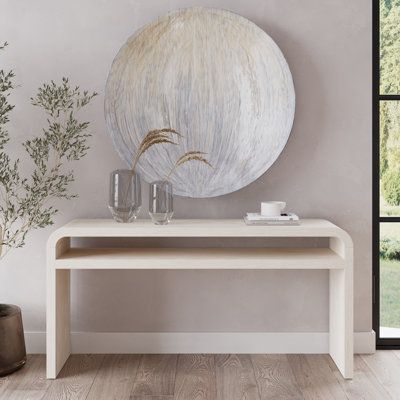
x=156, y=136
x=193, y=155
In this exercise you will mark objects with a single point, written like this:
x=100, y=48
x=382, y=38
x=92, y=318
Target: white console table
x=62, y=258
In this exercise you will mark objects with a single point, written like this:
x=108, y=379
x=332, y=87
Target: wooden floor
x=198, y=377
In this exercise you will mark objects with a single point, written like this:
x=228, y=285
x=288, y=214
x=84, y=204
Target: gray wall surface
x=324, y=171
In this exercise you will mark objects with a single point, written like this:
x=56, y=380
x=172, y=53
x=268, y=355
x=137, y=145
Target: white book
x=270, y=223
x=283, y=217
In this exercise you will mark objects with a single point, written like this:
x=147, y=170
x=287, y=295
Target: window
x=386, y=131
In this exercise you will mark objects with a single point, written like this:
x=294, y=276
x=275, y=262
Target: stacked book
x=283, y=219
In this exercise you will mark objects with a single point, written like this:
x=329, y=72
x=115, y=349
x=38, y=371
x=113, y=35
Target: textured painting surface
x=220, y=81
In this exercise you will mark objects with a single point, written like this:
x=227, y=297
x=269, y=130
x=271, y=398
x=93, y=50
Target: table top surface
x=197, y=228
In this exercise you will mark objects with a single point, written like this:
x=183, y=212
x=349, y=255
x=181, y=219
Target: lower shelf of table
x=199, y=258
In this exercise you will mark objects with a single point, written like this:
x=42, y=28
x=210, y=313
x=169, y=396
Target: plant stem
x=171, y=172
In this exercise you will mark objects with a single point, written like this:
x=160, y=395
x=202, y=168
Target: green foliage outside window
x=390, y=110
x=390, y=248
x=390, y=151
x=390, y=46
x=391, y=187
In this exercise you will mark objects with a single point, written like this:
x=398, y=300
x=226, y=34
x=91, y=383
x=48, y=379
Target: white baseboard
x=200, y=342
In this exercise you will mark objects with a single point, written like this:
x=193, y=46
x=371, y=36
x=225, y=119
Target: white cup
x=272, y=208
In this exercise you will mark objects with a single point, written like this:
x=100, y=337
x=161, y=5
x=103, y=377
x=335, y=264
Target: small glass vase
x=161, y=207
x=125, y=198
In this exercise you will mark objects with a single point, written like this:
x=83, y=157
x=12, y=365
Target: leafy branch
x=24, y=202
x=6, y=85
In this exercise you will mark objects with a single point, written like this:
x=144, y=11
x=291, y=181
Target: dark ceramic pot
x=12, y=342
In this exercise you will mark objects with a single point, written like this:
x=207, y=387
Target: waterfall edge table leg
x=341, y=336
x=58, y=335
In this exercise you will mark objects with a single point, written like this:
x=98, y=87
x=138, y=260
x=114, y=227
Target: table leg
x=341, y=313
x=58, y=320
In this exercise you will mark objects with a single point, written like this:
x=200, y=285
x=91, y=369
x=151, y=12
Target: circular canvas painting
x=217, y=79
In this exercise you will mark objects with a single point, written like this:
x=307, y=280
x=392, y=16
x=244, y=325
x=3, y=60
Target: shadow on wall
x=199, y=301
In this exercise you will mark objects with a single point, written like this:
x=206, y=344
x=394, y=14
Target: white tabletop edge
x=197, y=228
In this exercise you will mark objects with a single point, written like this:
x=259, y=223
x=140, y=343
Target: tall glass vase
x=161, y=207
x=125, y=197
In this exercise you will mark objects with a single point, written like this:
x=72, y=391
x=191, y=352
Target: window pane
x=390, y=46
x=389, y=158
x=390, y=280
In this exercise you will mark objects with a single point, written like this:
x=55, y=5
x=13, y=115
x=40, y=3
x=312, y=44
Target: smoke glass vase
x=161, y=207
x=125, y=197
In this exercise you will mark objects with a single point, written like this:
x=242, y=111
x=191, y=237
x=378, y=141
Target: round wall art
x=216, y=78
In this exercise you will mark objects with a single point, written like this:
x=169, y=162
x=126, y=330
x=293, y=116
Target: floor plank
x=206, y=377
x=115, y=378
x=156, y=375
x=195, y=377
x=76, y=378
x=235, y=377
x=364, y=385
x=275, y=378
x=315, y=378
x=144, y=397
x=386, y=367
x=13, y=379
x=29, y=382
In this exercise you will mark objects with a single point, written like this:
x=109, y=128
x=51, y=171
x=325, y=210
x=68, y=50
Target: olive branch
x=24, y=201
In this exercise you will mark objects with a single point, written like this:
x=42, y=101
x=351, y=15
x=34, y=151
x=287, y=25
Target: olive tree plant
x=26, y=203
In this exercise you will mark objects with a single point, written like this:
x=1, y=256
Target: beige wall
x=324, y=171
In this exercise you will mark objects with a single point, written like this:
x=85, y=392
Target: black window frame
x=381, y=343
